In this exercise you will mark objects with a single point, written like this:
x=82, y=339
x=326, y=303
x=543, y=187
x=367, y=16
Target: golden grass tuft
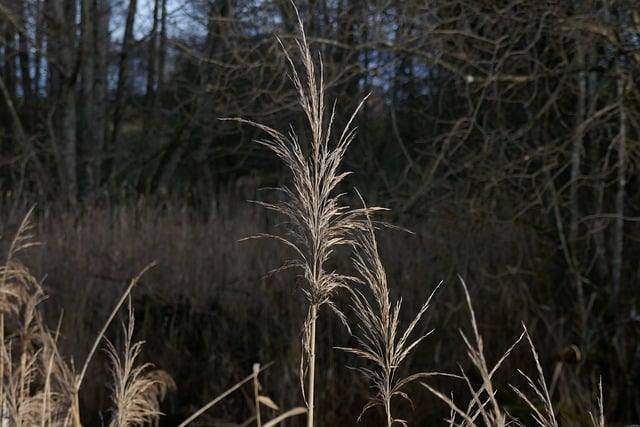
x=37, y=385
x=137, y=389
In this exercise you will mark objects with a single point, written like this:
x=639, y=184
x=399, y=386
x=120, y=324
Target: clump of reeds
x=34, y=379
x=138, y=390
x=484, y=409
x=37, y=385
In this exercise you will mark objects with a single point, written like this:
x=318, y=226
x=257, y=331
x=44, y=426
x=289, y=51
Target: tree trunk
x=7, y=34
x=39, y=41
x=598, y=171
x=150, y=96
x=576, y=152
x=87, y=131
x=174, y=150
x=621, y=180
x=100, y=115
x=152, y=57
x=115, y=147
x=162, y=54
x=25, y=70
x=95, y=46
x=62, y=67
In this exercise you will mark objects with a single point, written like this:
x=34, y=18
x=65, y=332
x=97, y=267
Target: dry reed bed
x=232, y=362
x=41, y=387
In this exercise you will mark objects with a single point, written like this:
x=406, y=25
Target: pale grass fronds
x=29, y=339
x=73, y=415
x=25, y=373
x=378, y=325
x=24, y=237
x=490, y=410
x=598, y=420
x=316, y=221
x=467, y=419
x=17, y=284
x=5, y=361
x=25, y=401
x=451, y=416
x=298, y=410
x=80, y=377
x=136, y=391
x=39, y=409
x=58, y=381
x=479, y=406
x=16, y=376
x=483, y=405
x=42, y=408
x=163, y=384
x=26, y=397
x=545, y=417
x=257, y=388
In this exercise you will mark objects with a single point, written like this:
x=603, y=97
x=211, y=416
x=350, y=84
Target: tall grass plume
x=317, y=220
x=379, y=337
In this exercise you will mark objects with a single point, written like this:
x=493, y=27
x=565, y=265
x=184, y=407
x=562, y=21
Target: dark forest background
x=504, y=134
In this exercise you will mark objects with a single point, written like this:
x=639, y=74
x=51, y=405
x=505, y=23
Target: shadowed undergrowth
x=207, y=336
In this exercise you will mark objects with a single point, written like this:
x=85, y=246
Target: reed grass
x=379, y=339
x=40, y=387
x=37, y=385
x=484, y=407
x=138, y=389
x=317, y=220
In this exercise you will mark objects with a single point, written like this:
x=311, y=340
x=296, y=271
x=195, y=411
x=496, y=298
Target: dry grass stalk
x=32, y=392
x=223, y=395
x=73, y=416
x=380, y=340
x=59, y=378
x=483, y=408
x=598, y=419
x=263, y=400
x=544, y=417
x=317, y=221
x=16, y=282
x=137, y=390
